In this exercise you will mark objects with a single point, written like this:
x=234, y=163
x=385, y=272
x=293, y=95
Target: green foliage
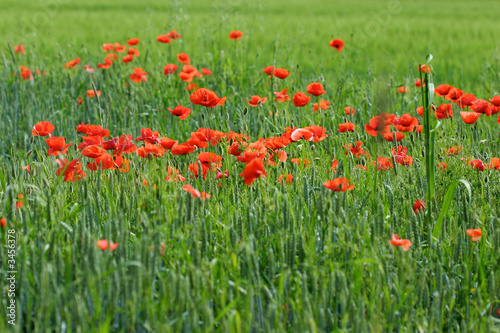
x=270, y=257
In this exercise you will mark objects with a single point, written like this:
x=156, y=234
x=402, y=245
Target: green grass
x=269, y=257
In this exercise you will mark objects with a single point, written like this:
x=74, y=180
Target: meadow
x=248, y=214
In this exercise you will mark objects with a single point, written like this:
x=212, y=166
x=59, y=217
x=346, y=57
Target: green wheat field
x=261, y=187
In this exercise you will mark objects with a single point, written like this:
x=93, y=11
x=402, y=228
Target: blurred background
x=383, y=37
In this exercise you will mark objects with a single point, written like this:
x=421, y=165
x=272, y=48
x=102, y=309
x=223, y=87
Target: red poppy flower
x=88, y=69
x=453, y=151
x=380, y=124
x=383, y=163
x=465, y=100
x=315, y=89
x=148, y=135
x=474, y=234
x=184, y=58
x=91, y=93
x=192, y=86
x=107, y=64
x=442, y=90
x=93, y=151
x=404, y=243
x=300, y=99
x=19, y=203
x=191, y=70
x=168, y=143
x=323, y=104
x=28, y=168
x=133, y=52
x=288, y=179
x=495, y=163
x=92, y=130
x=103, y=244
x=220, y=174
x=347, y=127
x=403, y=90
x=281, y=73
x=442, y=166
x=268, y=70
x=206, y=134
x=337, y=44
x=419, y=83
x=478, y=164
x=419, y=206
x=301, y=133
x=495, y=100
x=420, y=110
x=107, y=47
x=206, y=71
x=195, y=168
x=133, y=41
x=127, y=58
x=335, y=165
x=282, y=96
x=235, y=35
x=349, y=111
x=255, y=150
x=185, y=77
x=299, y=161
x=257, y=100
x=72, y=63
x=206, y=98
x=405, y=123
x=481, y=106
x=119, y=48
x=339, y=185
x=281, y=155
x=356, y=150
x=424, y=69
x=174, y=35
x=170, y=69
x=139, y=75
x=182, y=149
x=469, y=117
x=180, y=112
x=57, y=146
x=42, y=128
x=163, y=39
x=71, y=171
x=195, y=193
x=91, y=140
x=173, y=175
x=210, y=160
x=401, y=157
x=444, y=111
x=112, y=56
x=103, y=162
x=454, y=94
x=19, y=49
x=390, y=136
x=26, y=73
x=3, y=222
x=150, y=150
x=252, y=171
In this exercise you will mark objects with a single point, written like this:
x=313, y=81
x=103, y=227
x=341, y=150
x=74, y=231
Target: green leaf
x=446, y=205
